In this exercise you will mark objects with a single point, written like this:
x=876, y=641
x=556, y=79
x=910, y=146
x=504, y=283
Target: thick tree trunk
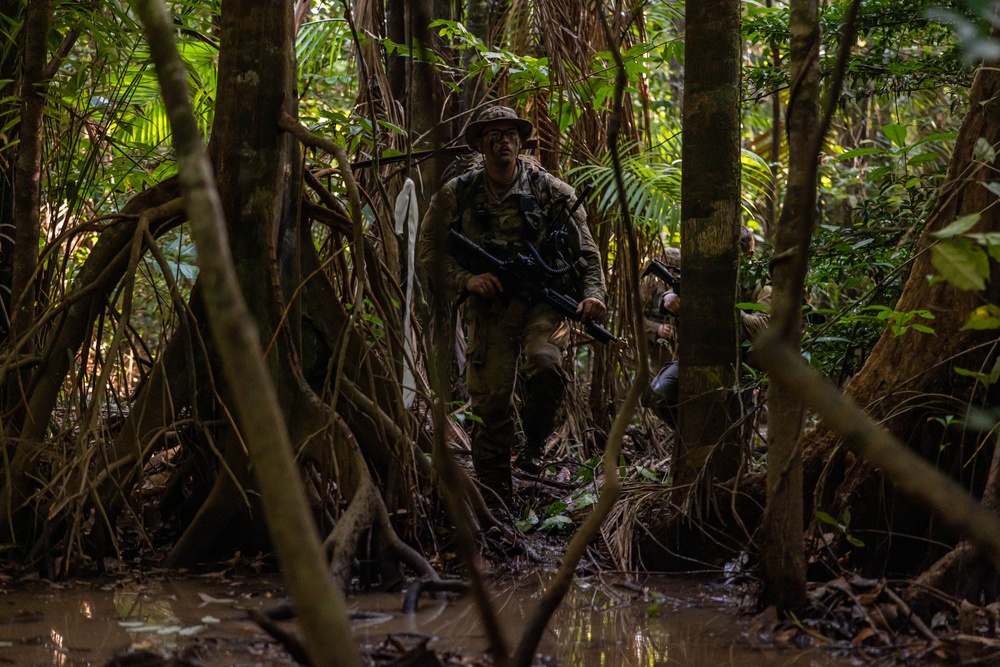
x=320, y=604
x=710, y=213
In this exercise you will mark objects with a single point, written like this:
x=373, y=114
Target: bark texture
x=320, y=604
x=710, y=222
x=782, y=552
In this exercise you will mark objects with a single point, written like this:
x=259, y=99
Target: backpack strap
x=465, y=193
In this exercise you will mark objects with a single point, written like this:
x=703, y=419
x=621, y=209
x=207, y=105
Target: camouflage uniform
x=505, y=338
x=663, y=351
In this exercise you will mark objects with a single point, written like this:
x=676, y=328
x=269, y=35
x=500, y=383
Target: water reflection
x=65, y=626
x=600, y=624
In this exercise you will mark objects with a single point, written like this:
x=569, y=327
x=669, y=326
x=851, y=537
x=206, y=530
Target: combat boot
x=530, y=460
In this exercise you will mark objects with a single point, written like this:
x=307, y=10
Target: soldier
x=508, y=202
x=668, y=305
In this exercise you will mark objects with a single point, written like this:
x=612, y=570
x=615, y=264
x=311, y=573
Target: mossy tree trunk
x=710, y=223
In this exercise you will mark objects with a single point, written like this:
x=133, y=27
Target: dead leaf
x=863, y=634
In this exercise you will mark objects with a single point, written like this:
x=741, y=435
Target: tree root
x=287, y=640
x=98, y=277
x=419, y=586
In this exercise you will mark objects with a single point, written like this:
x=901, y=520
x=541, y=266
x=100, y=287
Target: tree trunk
x=28, y=169
x=783, y=553
x=12, y=11
x=321, y=607
x=710, y=214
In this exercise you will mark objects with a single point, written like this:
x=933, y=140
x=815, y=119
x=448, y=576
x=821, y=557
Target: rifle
x=664, y=273
x=667, y=275
x=523, y=277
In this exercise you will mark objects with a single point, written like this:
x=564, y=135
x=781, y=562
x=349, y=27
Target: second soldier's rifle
x=664, y=273
x=667, y=275
x=523, y=277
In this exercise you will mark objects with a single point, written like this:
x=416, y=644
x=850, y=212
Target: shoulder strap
x=465, y=192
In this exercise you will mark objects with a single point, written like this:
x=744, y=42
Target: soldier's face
x=500, y=144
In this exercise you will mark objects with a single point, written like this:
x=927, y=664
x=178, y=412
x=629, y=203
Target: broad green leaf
x=983, y=151
x=556, y=508
x=559, y=521
x=993, y=187
x=752, y=306
x=878, y=172
x=979, y=377
x=858, y=152
x=962, y=263
x=984, y=317
x=937, y=136
x=896, y=134
x=826, y=518
x=923, y=158
x=958, y=227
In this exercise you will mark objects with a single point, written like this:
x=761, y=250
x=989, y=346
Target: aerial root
x=418, y=586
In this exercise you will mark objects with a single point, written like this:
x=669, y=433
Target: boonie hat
x=496, y=114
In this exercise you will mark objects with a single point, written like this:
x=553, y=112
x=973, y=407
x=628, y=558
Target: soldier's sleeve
x=752, y=322
x=584, y=248
x=443, y=270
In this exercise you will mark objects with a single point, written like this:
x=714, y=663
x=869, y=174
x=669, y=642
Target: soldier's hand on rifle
x=485, y=285
x=666, y=331
x=591, y=309
x=671, y=303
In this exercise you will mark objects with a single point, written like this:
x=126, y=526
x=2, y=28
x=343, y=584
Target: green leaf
x=752, y=306
x=556, y=508
x=560, y=521
x=937, y=136
x=860, y=151
x=983, y=151
x=647, y=473
x=896, y=134
x=826, y=518
x=983, y=317
x=958, y=227
x=980, y=377
x=878, y=173
x=993, y=187
x=923, y=158
x=961, y=263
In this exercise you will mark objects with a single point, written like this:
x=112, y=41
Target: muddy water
x=204, y=618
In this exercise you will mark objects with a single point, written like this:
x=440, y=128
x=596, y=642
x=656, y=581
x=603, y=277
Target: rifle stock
x=520, y=282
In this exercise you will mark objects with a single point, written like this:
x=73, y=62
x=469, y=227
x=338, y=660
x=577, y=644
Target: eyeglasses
x=496, y=135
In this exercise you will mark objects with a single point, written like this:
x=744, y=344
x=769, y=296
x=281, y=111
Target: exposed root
x=420, y=586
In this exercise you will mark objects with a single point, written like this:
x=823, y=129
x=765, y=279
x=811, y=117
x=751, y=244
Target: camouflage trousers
x=505, y=345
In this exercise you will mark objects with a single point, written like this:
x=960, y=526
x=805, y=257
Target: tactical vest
x=537, y=209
